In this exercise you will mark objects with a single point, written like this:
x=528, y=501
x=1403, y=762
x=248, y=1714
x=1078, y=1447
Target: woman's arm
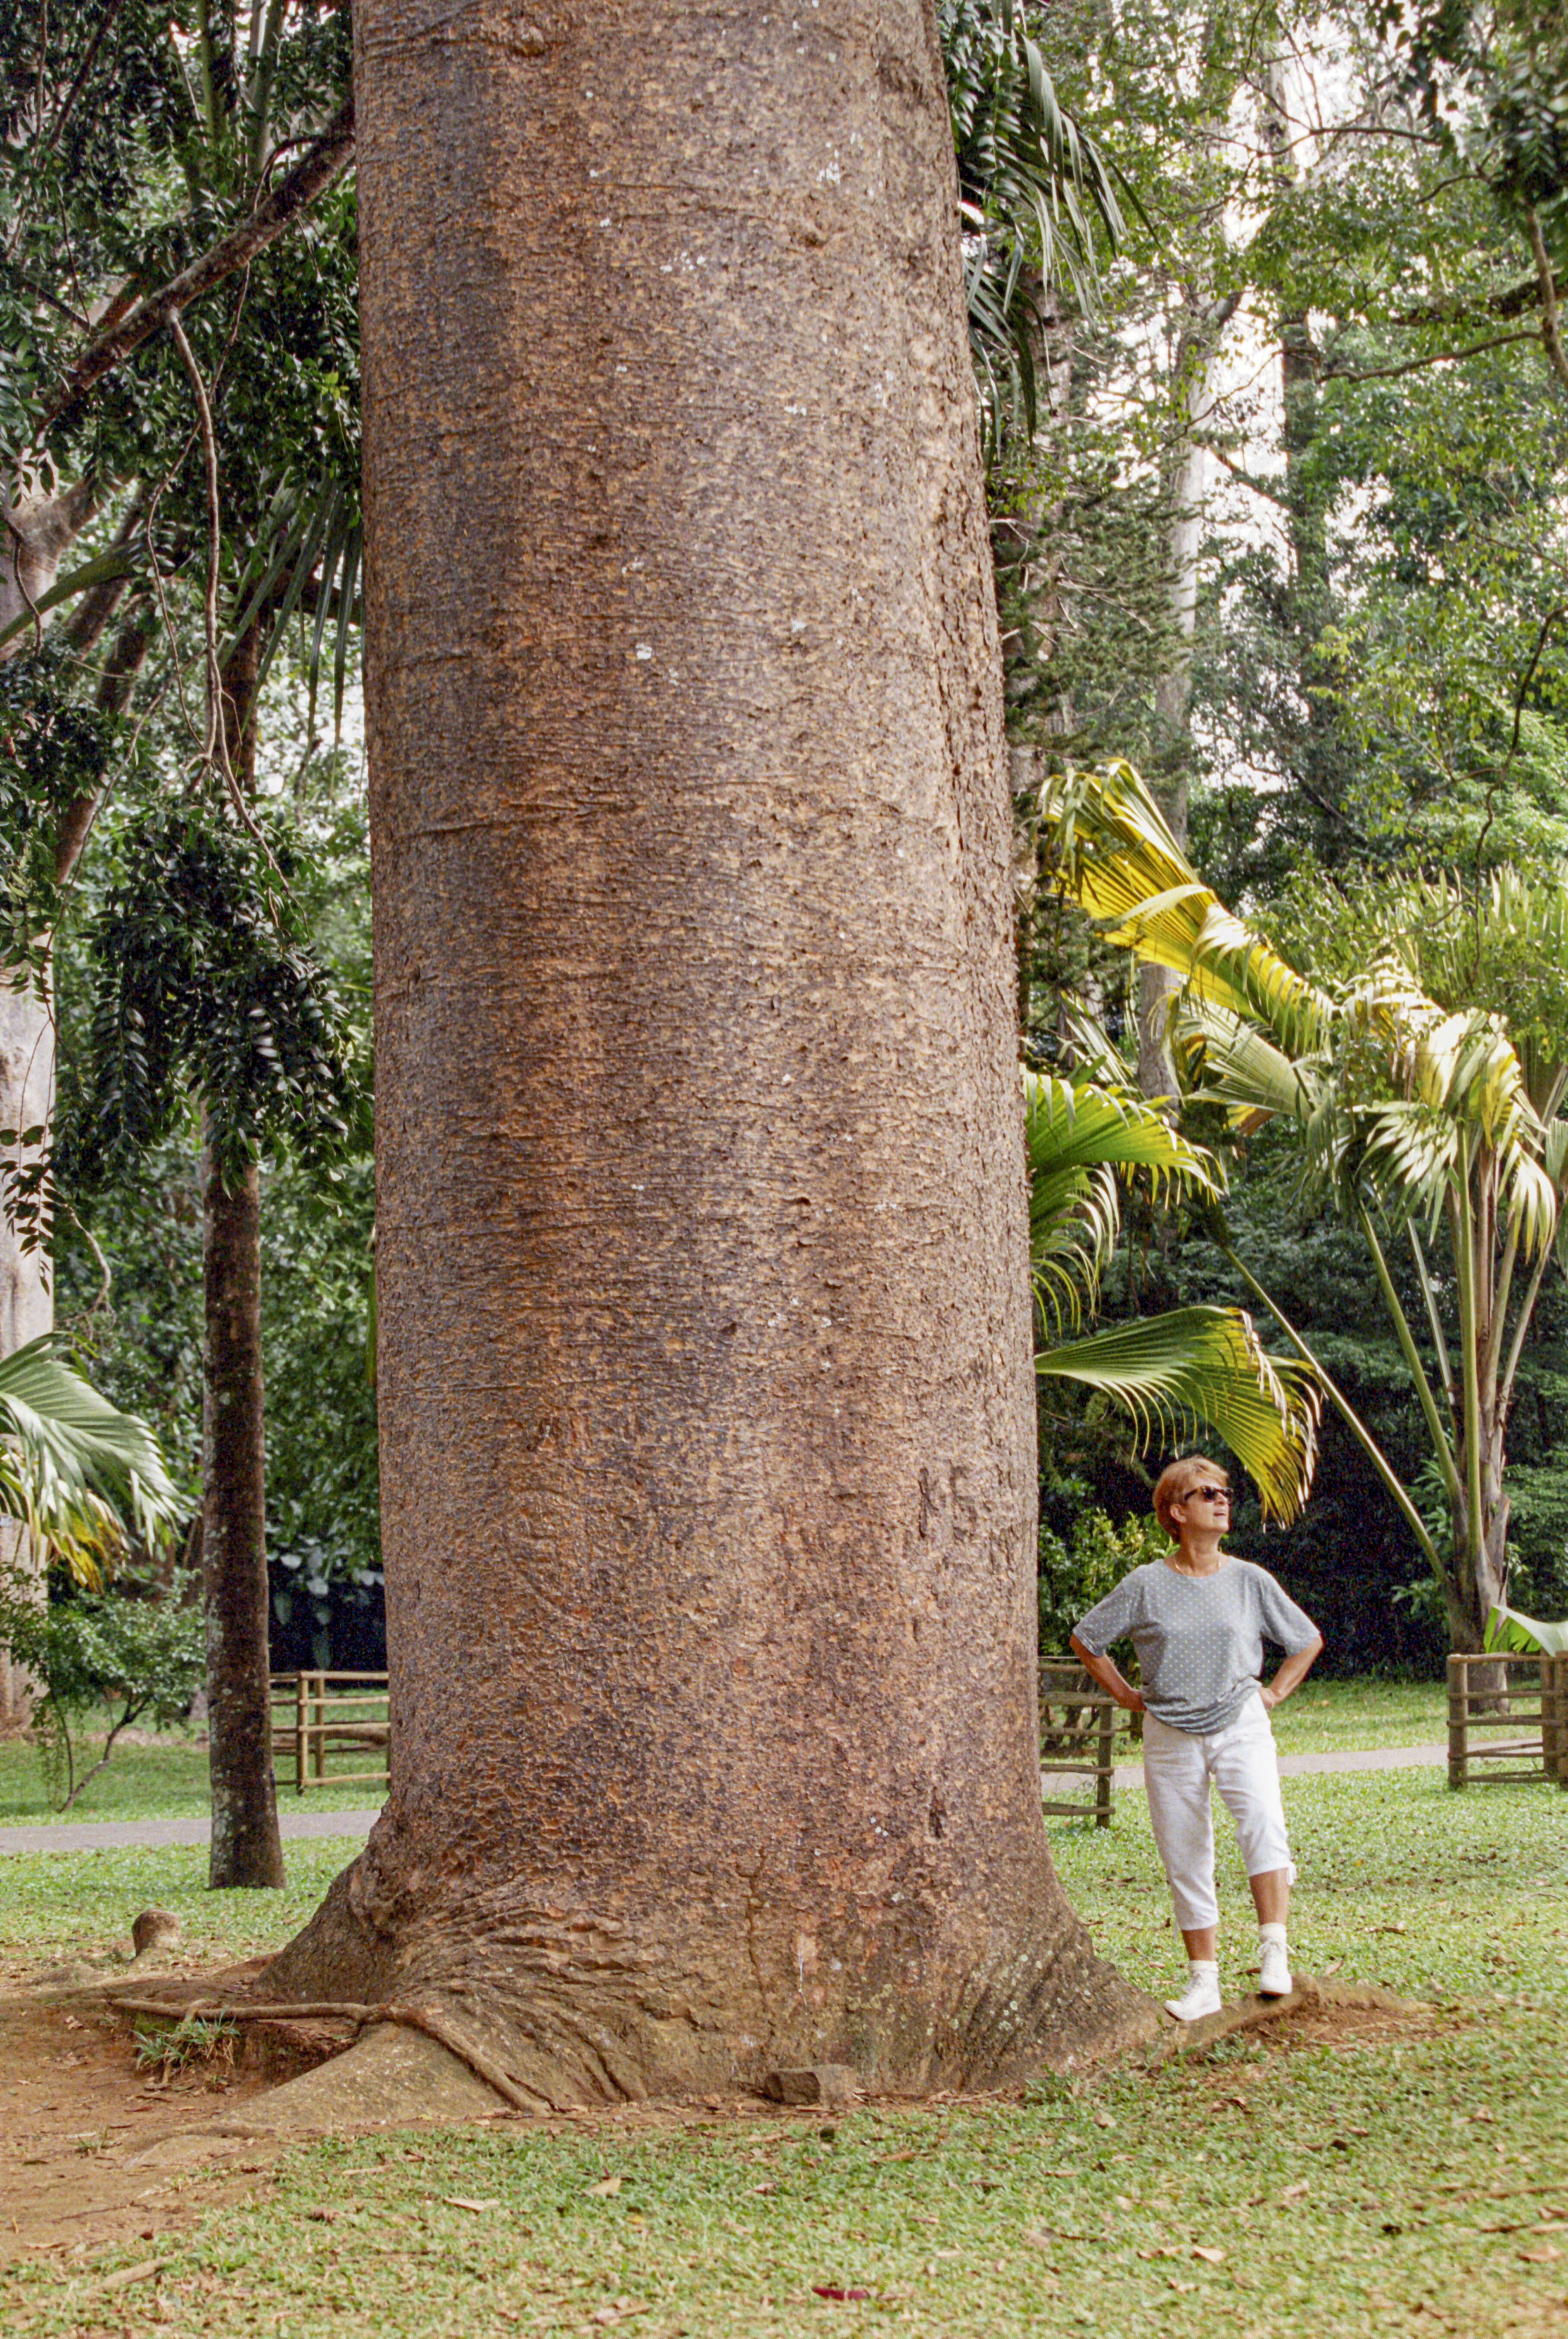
x=1110, y=1676
x=1292, y=1673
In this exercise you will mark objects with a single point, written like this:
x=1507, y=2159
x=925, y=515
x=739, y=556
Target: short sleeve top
x=1199, y=1638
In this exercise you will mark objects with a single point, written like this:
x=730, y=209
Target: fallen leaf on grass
x=1543, y=2255
x=144, y=2273
x=620, y=2310
x=461, y=2200
x=831, y=2290
x=1210, y=2257
x=1295, y=2192
x=605, y=2187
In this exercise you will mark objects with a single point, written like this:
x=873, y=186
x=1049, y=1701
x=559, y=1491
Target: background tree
x=195, y=377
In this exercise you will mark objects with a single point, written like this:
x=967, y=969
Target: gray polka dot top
x=1199, y=1638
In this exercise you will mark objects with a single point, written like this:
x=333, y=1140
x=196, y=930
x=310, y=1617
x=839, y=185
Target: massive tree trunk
x=245, y=1846
x=705, y=1389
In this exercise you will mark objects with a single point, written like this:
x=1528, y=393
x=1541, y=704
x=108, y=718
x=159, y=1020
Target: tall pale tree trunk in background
x=705, y=1389
x=245, y=1847
x=33, y=534
x=1186, y=475
x=1308, y=603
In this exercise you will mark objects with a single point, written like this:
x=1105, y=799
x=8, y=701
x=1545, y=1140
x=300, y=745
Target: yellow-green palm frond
x=1206, y=1365
x=1113, y=853
x=78, y=1473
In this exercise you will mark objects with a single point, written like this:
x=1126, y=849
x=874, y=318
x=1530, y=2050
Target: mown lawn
x=167, y=1778
x=163, y=1778
x=1363, y=2184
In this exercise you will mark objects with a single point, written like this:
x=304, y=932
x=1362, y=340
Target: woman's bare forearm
x=1109, y=1675
x=1293, y=1673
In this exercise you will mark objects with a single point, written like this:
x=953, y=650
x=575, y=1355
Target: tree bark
x=705, y=1376
x=246, y=1848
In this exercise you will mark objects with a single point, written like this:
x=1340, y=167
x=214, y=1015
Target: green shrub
x=144, y=1655
x=1079, y=1569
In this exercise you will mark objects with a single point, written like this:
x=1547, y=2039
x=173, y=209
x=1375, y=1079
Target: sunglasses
x=1207, y=1494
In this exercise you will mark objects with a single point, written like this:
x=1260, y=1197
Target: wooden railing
x=1499, y=1693
x=1080, y=1726
x=317, y=1716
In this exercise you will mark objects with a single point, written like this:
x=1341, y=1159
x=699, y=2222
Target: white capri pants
x=1178, y=1769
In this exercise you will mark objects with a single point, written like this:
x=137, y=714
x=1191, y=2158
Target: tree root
x=409, y=2017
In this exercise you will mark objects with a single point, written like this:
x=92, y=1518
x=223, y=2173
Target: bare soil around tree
x=100, y=2148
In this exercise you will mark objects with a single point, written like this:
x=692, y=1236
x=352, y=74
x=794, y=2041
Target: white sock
x=1203, y=1969
x=1266, y=1933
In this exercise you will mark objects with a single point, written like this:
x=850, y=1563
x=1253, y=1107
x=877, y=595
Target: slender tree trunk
x=26, y=1300
x=246, y=1848
x=33, y=537
x=245, y=1844
x=705, y=1390
x=1187, y=473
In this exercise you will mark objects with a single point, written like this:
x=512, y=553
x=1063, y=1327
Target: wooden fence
x=1080, y=1726
x=321, y=1720
x=1491, y=1696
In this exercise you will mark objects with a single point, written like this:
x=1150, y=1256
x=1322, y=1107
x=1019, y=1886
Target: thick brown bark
x=246, y=1849
x=704, y=1377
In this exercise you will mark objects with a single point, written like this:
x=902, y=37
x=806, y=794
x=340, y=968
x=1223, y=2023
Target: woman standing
x=1197, y=1619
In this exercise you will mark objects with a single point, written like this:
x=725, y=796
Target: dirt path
x=77, y=2122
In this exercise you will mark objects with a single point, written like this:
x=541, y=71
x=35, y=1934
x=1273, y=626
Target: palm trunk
x=704, y=1372
x=246, y=1849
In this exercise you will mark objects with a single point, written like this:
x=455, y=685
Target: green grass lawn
x=168, y=1778
x=1326, y=1717
x=1379, y=2186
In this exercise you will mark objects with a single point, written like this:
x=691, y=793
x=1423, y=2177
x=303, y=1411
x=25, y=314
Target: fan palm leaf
x=1205, y=1366
x=78, y=1473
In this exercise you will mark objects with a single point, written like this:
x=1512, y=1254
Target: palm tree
x=1425, y=1093
x=1171, y=1372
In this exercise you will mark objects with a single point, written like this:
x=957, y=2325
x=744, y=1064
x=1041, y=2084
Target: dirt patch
x=96, y=2148
x=78, y=2115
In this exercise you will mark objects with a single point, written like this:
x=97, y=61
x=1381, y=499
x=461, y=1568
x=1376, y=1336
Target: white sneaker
x=1200, y=1997
x=1273, y=1975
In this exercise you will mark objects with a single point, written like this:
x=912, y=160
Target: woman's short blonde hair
x=1173, y=1483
